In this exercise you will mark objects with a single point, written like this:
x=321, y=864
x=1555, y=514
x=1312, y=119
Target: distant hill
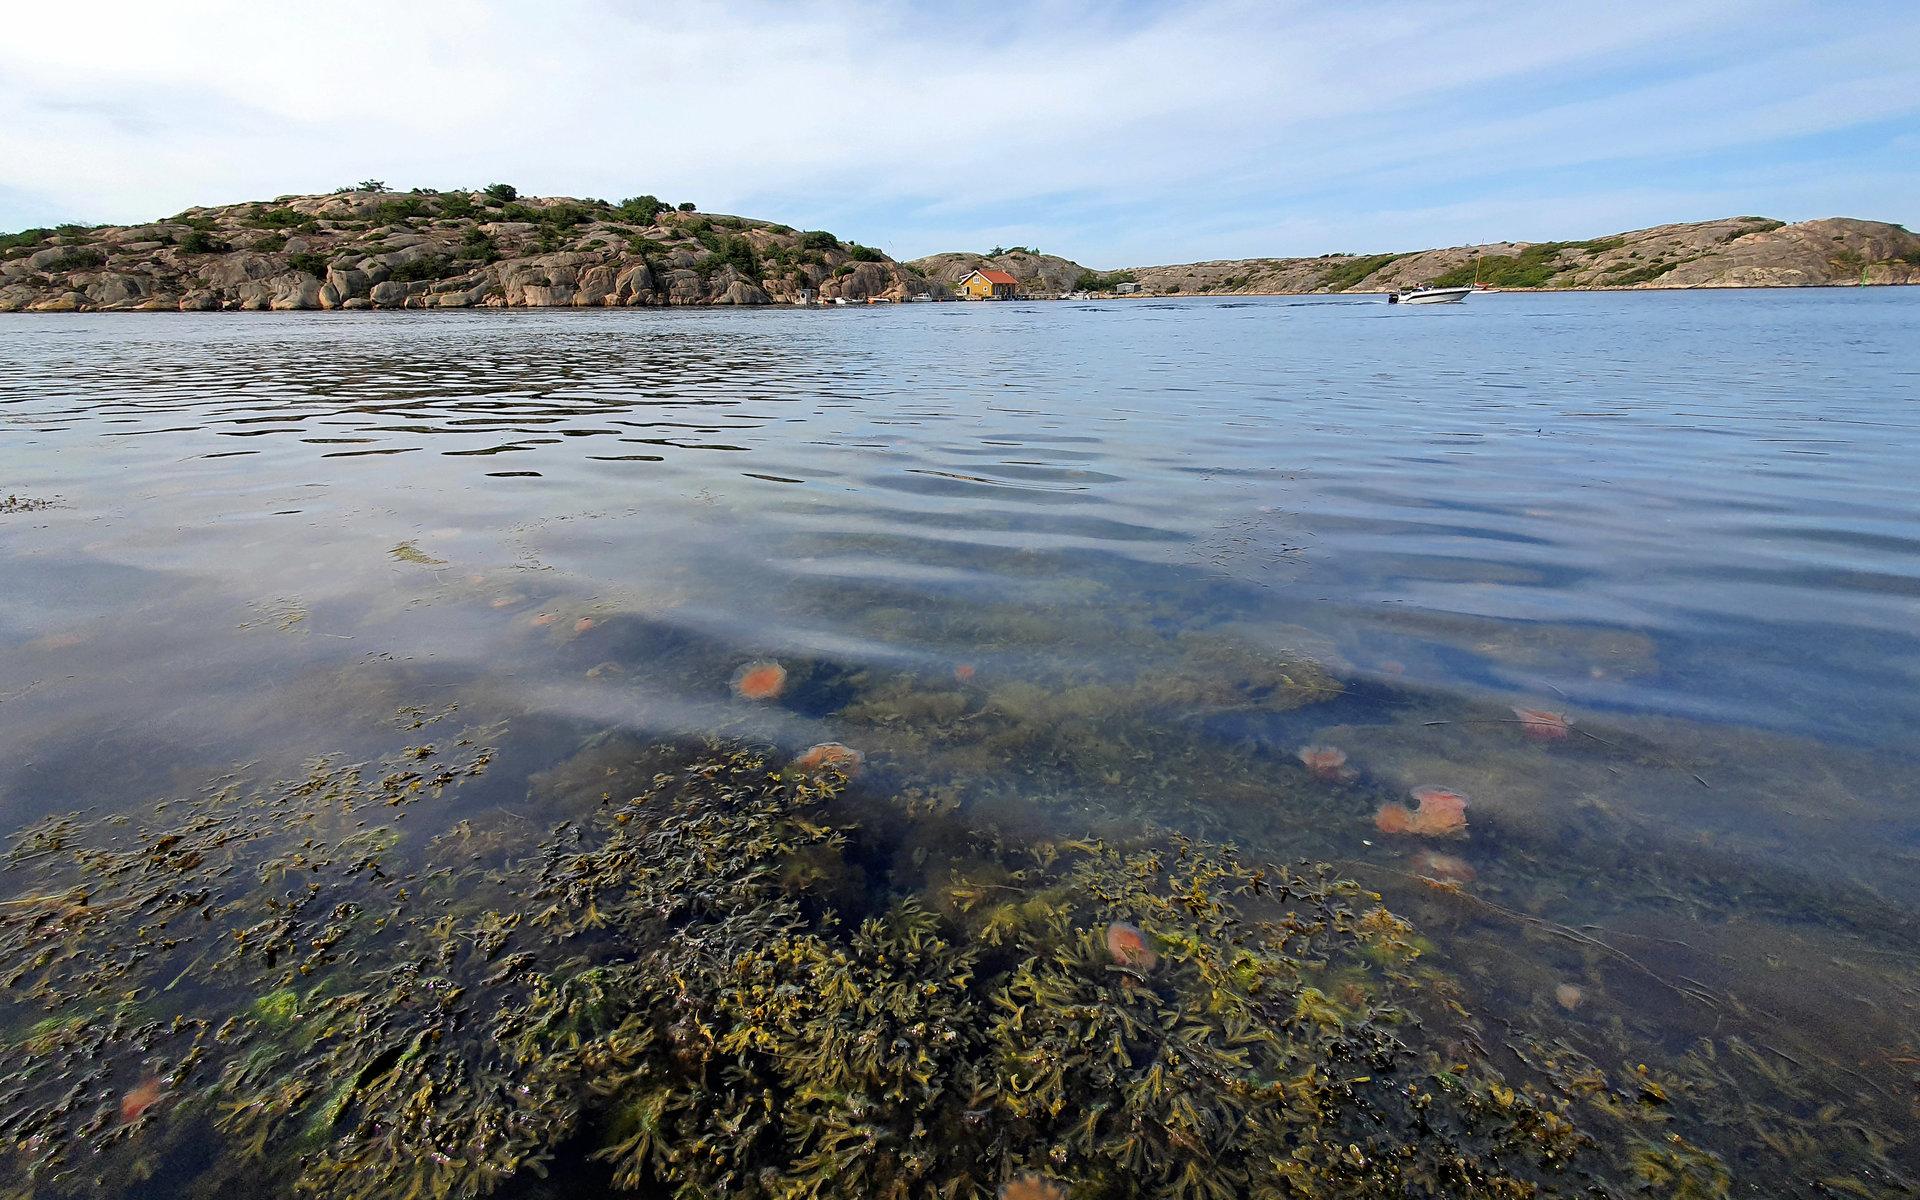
x=492, y=248
x=373, y=249
x=1040, y=275
x=1735, y=252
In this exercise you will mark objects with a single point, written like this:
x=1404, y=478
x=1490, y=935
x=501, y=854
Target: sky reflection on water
x=1689, y=521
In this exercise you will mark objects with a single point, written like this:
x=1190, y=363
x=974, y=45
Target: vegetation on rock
x=372, y=248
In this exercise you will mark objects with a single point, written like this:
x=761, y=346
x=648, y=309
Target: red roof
x=993, y=276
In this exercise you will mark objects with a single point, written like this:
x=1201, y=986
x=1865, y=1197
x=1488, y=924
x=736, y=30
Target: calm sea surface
x=1689, y=523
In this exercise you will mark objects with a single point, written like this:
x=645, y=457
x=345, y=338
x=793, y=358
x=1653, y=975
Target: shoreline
x=778, y=307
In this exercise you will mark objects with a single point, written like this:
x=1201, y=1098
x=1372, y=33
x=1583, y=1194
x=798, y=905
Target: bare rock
x=114, y=290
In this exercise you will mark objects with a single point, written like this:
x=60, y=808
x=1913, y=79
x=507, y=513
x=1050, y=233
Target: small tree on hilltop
x=687, y=206
x=371, y=185
x=642, y=208
x=503, y=192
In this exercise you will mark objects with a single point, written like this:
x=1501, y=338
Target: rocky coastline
x=486, y=249
x=373, y=249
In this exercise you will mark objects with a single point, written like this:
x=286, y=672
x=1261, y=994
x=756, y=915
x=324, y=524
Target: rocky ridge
x=1734, y=252
x=1041, y=276
x=424, y=249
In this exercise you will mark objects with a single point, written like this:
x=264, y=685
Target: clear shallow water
x=1691, y=522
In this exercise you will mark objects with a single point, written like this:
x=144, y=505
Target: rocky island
x=372, y=248
x=369, y=248
x=1735, y=252
x=1729, y=253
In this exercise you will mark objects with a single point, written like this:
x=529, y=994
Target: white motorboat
x=1452, y=295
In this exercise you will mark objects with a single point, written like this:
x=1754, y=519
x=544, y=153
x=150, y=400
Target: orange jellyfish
x=542, y=620
x=1543, y=725
x=1031, y=1186
x=963, y=672
x=1441, y=812
x=141, y=1097
x=1393, y=818
x=583, y=624
x=760, y=681
x=1326, y=762
x=1446, y=868
x=844, y=759
x=1569, y=996
x=1130, y=947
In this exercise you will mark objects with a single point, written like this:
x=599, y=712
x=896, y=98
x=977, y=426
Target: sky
x=1123, y=133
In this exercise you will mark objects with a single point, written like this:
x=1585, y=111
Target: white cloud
x=1065, y=120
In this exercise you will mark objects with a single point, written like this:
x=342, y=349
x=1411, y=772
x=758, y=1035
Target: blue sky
x=1117, y=134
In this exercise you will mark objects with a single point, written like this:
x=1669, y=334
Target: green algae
x=656, y=978
x=408, y=552
x=697, y=974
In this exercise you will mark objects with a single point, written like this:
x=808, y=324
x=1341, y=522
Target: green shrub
x=478, y=246
x=370, y=185
x=269, y=244
x=641, y=208
x=557, y=217
x=262, y=217
x=456, y=205
x=1350, y=271
x=1532, y=267
x=1634, y=275
x=312, y=264
x=859, y=253
x=688, y=206
x=200, y=241
x=843, y=269
x=84, y=259
x=1095, y=281
x=645, y=247
x=395, y=212
x=736, y=252
x=24, y=239
x=502, y=192
x=427, y=267
x=818, y=239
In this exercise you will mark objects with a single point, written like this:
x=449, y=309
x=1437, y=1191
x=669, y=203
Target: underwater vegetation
x=860, y=968
x=736, y=980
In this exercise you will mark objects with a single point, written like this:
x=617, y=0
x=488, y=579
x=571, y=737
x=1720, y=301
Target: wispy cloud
x=1112, y=133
